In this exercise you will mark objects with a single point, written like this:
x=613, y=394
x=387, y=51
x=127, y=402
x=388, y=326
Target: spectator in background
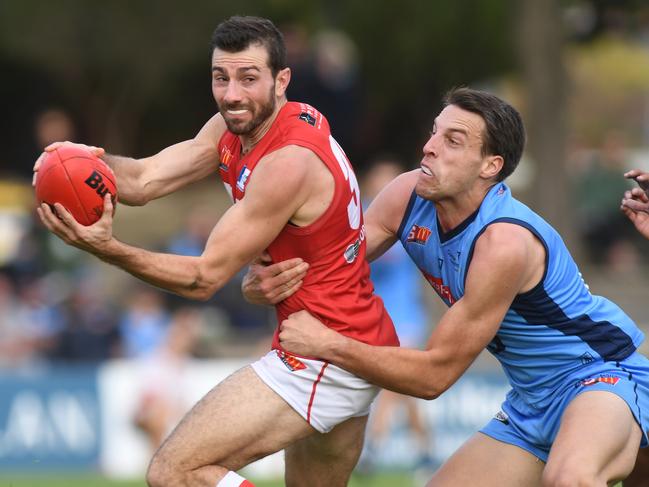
x=29, y=322
x=326, y=72
x=603, y=229
x=163, y=400
x=90, y=334
x=193, y=236
x=13, y=343
x=397, y=280
x=39, y=249
x=53, y=124
x=143, y=327
x=248, y=324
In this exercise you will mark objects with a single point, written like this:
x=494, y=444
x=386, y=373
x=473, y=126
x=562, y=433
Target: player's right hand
x=97, y=151
x=267, y=283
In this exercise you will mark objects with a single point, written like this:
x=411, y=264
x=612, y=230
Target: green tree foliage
x=135, y=74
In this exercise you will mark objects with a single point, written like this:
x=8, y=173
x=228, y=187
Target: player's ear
x=491, y=166
x=282, y=80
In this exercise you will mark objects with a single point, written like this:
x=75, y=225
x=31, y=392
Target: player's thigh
x=598, y=438
x=238, y=421
x=326, y=459
x=494, y=463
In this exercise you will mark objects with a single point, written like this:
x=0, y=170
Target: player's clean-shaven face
x=243, y=87
x=452, y=156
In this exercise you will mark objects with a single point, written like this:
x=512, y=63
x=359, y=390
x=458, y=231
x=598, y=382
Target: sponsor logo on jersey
x=418, y=235
x=502, y=417
x=226, y=158
x=603, y=379
x=351, y=252
x=440, y=288
x=290, y=361
x=243, y=178
x=308, y=118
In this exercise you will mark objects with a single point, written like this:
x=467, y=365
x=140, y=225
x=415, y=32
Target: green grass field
x=68, y=480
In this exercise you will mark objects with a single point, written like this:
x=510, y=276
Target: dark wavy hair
x=504, y=131
x=238, y=33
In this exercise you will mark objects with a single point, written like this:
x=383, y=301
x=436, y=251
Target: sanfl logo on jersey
x=243, y=178
x=418, y=235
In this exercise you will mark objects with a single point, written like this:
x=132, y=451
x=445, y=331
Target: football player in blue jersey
x=578, y=408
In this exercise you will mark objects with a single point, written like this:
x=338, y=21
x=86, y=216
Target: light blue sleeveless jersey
x=550, y=331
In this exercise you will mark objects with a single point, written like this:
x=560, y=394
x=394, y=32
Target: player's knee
x=163, y=473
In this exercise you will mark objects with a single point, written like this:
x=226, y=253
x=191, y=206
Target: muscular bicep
x=251, y=224
x=183, y=163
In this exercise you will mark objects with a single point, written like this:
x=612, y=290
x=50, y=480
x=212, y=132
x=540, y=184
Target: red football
x=79, y=180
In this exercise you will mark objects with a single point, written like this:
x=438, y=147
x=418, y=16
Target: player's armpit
x=385, y=213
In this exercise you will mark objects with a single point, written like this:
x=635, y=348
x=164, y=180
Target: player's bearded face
x=260, y=111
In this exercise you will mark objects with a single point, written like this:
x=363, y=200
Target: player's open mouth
x=426, y=171
x=237, y=112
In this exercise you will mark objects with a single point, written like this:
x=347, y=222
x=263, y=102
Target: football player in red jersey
x=297, y=197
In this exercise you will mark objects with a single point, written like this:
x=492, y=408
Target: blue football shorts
x=534, y=429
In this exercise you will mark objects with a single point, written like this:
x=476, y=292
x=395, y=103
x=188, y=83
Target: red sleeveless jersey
x=337, y=289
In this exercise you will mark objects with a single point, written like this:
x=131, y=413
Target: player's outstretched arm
x=502, y=254
x=142, y=180
x=241, y=234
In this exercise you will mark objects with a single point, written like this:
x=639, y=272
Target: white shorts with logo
x=323, y=394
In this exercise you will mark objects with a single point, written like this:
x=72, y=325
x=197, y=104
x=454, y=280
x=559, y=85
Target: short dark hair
x=504, y=131
x=238, y=33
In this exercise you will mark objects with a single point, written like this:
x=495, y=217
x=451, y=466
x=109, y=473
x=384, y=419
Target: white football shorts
x=323, y=394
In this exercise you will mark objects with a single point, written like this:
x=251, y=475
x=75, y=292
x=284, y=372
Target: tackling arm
x=501, y=254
